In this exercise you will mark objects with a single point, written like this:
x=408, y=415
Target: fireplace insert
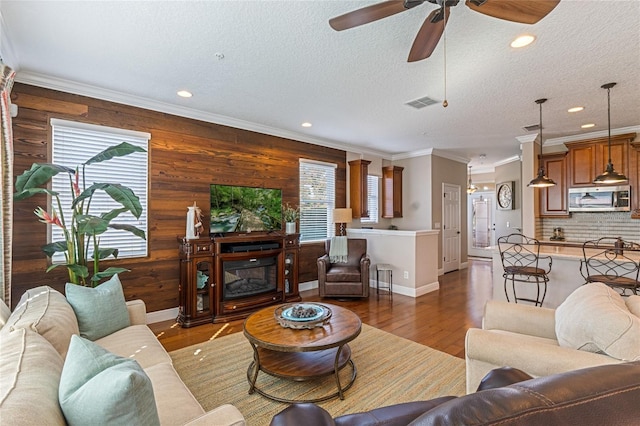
x=249, y=277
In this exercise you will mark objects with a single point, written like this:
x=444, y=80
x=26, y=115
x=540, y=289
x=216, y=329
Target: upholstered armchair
x=350, y=279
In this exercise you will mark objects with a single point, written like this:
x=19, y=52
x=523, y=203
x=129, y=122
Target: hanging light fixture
x=471, y=188
x=610, y=175
x=541, y=181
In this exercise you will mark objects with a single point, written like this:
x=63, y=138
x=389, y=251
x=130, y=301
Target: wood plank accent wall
x=185, y=157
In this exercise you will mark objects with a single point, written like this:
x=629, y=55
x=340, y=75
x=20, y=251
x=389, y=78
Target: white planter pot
x=290, y=227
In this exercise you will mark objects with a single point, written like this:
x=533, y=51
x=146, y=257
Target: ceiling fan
x=523, y=11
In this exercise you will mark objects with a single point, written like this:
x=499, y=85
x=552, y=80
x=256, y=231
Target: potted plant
x=290, y=215
x=82, y=230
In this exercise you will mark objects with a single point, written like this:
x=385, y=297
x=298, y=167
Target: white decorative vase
x=191, y=223
x=290, y=227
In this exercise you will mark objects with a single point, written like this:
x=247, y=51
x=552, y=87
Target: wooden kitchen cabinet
x=358, y=194
x=589, y=158
x=554, y=199
x=392, y=192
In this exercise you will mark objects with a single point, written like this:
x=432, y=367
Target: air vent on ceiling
x=422, y=102
x=532, y=127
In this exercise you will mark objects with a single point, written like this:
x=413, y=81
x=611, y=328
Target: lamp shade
x=342, y=215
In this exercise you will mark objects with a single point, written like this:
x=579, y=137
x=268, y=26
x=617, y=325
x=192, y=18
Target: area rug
x=390, y=370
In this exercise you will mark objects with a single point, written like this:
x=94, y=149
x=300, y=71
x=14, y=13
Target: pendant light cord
x=609, y=118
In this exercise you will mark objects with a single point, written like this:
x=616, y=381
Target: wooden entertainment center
x=224, y=278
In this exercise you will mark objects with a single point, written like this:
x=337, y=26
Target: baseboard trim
x=163, y=315
x=309, y=285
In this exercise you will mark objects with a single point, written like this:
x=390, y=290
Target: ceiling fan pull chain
x=445, y=103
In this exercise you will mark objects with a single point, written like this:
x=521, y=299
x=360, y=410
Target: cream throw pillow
x=595, y=318
x=633, y=303
x=30, y=369
x=47, y=312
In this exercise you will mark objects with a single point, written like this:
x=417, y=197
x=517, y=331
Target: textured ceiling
x=284, y=65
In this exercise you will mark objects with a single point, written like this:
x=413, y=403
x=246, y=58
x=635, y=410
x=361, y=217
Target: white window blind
x=74, y=143
x=372, y=200
x=317, y=200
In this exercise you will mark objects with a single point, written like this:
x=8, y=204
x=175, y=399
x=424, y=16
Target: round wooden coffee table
x=301, y=354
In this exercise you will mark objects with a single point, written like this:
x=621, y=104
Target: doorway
x=450, y=227
x=481, y=224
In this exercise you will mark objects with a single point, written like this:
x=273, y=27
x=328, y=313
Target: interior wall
x=509, y=221
x=416, y=194
x=185, y=157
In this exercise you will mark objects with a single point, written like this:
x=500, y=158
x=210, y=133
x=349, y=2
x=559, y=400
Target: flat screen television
x=244, y=209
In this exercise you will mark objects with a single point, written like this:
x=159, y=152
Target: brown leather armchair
x=349, y=279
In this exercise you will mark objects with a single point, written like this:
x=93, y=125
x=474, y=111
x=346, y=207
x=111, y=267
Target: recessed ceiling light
x=184, y=94
x=588, y=125
x=306, y=124
x=575, y=109
x=522, y=41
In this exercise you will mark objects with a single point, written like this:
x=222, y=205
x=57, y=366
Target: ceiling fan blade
x=429, y=35
x=523, y=11
x=367, y=14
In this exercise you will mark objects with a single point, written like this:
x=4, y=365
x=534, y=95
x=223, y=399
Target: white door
x=480, y=224
x=450, y=227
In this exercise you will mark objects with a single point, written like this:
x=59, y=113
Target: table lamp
x=342, y=217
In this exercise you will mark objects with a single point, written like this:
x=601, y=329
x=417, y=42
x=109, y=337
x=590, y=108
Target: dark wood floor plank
x=439, y=319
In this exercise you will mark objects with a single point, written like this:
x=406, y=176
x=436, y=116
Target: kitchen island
x=413, y=256
x=564, y=277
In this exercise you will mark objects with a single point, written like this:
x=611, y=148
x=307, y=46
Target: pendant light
x=610, y=175
x=471, y=188
x=541, y=181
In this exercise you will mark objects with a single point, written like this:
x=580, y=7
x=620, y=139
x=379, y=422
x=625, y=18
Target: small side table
x=384, y=267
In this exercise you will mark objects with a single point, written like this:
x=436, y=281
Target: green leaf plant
x=83, y=230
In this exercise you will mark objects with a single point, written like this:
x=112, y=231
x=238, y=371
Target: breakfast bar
x=564, y=278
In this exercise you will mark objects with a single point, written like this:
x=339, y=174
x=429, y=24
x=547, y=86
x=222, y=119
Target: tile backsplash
x=588, y=226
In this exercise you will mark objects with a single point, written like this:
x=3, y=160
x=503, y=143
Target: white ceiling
x=283, y=65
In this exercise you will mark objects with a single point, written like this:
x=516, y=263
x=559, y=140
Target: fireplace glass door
x=249, y=277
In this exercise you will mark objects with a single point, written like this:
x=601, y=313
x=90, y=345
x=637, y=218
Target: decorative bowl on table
x=302, y=315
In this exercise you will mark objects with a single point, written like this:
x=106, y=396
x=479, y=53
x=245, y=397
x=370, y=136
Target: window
x=74, y=143
x=317, y=200
x=372, y=200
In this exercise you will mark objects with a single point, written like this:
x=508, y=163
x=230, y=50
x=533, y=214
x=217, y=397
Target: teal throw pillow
x=100, y=388
x=101, y=310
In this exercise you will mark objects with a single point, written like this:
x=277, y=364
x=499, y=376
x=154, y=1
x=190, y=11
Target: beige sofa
x=34, y=340
x=594, y=326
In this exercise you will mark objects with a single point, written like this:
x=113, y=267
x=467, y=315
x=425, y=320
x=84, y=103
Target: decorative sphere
x=445, y=103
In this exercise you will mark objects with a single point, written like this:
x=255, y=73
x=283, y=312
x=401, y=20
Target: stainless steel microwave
x=600, y=199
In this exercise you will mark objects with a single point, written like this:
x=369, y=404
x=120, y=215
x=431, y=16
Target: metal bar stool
x=607, y=260
x=520, y=257
x=384, y=267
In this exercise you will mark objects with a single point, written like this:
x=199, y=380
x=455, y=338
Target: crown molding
x=592, y=135
x=527, y=138
x=507, y=160
x=82, y=89
x=430, y=151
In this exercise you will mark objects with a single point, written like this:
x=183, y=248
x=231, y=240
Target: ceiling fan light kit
x=541, y=181
x=609, y=175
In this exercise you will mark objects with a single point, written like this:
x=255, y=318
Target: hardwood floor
x=439, y=319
